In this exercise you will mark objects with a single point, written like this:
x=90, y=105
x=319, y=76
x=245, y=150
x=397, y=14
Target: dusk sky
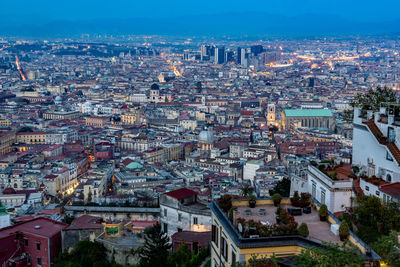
x=30, y=11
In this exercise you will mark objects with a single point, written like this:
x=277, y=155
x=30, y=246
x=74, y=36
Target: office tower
x=219, y=55
x=243, y=57
x=229, y=56
x=203, y=52
x=239, y=55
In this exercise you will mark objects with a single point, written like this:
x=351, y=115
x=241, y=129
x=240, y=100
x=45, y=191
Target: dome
x=58, y=98
x=206, y=136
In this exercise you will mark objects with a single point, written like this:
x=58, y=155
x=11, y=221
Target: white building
x=336, y=194
x=250, y=168
x=376, y=142
x=181, y=211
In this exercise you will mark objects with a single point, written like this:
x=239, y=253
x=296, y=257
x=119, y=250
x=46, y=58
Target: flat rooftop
x=319, y=231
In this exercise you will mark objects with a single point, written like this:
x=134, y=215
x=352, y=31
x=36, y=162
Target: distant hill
x=235, y=24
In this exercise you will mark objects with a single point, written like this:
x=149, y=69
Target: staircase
x=394, y=150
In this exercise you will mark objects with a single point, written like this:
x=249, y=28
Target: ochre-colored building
x=31, y=137
x=61, y=115
x=6, y=141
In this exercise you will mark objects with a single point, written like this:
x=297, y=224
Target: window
x=165, y=227
x=224, y=249
x=377, y=193
x=179, y=229
x=233, y=257
x=39, y=261
x=314, y=189
x=179, y=217
x=367, y=188
x=165, y=212
x=195, y=220
x=214, y=234
x=322, y=196
x=26, y=242
x=389, y=178
x=38, y=245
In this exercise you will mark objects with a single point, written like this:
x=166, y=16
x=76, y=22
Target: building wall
x=186, y=221
x=367, y=149
x=338, y=194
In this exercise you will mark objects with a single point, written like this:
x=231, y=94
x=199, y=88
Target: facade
x=96, y=121
x=180, y=210
x=250, y=168
x=376, y=144
x=33, y=243
x=131, y=118
x=6, y=140
x=61, y=115
x=31, y=137
x=310, y=118
x=336, y=194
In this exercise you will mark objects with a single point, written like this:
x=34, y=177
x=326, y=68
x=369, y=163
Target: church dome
x=206, y=136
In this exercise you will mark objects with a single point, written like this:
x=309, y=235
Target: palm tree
x=247, y=190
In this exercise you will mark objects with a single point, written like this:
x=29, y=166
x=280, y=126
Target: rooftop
x=319, y=230
x=308, y=113
x=181, y=193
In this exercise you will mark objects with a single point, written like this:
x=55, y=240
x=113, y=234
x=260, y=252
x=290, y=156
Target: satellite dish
x=240, y=227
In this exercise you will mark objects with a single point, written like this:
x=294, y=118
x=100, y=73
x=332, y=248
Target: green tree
x=282, y=188
x=247, y=190
x=84, y=254
x=375, y=218
x=373, y=98
x=387, y=248
x=155, y=251
x=330, y=255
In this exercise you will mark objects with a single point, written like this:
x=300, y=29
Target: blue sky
x=37, y=10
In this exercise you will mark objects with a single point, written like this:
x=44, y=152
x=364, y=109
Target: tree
x=330, y=255
x=247, y=190
x=85, y=253
x=374, y=98
x=155, y=251
x=387, y=248
x=282, y=188
x=375, y=218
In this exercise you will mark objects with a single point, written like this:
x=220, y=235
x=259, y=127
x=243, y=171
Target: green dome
x=134, y=165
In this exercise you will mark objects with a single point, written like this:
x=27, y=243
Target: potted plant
x=277, y=199
x=295, y=199
x=303, y=230
x=344, y=230
x=323, y=212
x=252, y=201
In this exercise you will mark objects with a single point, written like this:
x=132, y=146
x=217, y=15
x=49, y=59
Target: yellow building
x=131, y=118
x=5, y=122
x=236, y=241
x=31, y=137
x=6, y=141
x=61, y=115
x=165, y=153
x=96, y=121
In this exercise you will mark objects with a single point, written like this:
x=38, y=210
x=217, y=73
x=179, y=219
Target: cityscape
x=194, y=150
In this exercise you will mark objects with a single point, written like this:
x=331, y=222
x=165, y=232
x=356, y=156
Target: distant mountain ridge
x=218, y=24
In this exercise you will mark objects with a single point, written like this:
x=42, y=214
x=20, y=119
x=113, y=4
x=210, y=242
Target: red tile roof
x=38, y=226
x=391, y=189
x=181, y=193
